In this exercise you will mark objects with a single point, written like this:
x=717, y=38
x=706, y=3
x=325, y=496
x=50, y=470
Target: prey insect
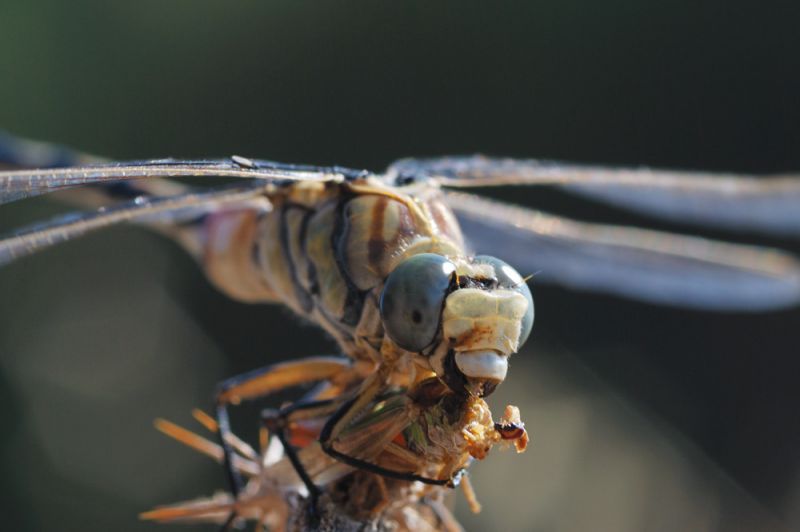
x=383, y=263
x=270, y=494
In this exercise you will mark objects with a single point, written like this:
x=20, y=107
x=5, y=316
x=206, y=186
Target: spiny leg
x=261, y=383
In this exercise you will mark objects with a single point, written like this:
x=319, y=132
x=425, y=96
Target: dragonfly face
x=467, y=316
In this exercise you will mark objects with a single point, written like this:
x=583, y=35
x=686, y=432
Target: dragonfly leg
x=277, y=422
x=261, y=383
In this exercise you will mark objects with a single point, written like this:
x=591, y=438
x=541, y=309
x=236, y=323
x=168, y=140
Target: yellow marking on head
x=480, y=320
x=476, y=270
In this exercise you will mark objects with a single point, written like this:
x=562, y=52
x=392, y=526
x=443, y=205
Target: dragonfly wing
x=24, y=153
x=19, y=153
x=766, y=204
x=651, y=266
x=19, y=184
x=159, y=210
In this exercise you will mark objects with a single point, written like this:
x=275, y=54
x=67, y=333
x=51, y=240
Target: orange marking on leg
x=284, y=375
x=190, y=439
x=208, y=448
x=189, y=510
x=205, y=420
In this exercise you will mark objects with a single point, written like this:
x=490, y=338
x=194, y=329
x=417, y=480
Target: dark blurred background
x=642, y=418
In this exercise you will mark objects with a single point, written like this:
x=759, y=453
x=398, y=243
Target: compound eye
x=508, y=277
x=413, y=297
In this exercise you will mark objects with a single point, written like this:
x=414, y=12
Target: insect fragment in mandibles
x=427, y=325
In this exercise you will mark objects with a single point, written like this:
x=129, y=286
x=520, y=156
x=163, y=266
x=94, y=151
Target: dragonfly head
x=466, y=316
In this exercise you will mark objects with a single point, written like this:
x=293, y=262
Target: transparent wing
x=167, y=209
x=640, y=264
x=25, y=153
x=20, y=184
x=767, y=204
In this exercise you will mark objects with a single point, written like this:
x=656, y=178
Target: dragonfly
x=386, y=264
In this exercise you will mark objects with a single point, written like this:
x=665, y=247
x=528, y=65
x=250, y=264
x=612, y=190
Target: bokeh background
x=642, y=418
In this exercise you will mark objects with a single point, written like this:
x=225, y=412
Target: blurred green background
x=642, y=418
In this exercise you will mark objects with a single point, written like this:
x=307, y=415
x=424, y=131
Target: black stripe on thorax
x=304, y=299
x=354, y=301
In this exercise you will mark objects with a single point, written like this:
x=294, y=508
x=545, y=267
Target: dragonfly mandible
x=380, y=261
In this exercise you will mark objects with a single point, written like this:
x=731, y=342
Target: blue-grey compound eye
x=412, y=300
x=508, y=277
